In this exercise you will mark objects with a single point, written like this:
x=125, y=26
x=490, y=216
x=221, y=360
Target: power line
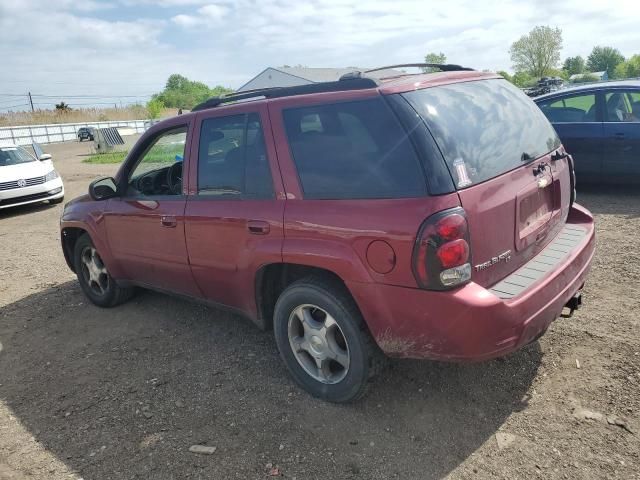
x=74, y=96
x=92, y=96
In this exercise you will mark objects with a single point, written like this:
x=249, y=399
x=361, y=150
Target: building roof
x=318, y=75
x=332, y=74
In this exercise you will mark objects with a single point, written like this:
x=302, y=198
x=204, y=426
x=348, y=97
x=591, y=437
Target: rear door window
x=353, y=150
x=570, y=109
x=483, y=128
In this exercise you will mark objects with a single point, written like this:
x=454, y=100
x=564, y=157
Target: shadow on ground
x=123, y=393
x=611, y=199
x=25, y=209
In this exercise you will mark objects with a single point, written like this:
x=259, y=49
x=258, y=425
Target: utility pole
x=31, y=102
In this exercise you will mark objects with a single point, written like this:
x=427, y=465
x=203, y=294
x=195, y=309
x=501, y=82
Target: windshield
x=14, y=156
x=484, y=128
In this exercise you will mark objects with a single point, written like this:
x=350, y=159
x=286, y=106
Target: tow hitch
x=573, y=304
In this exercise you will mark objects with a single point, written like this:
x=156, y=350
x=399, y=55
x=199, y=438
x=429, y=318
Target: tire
x=55, y=201
x=97, y=285
x=326, y=303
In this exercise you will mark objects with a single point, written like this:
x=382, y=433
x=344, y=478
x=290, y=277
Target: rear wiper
x=558, y=156
x=525, y=157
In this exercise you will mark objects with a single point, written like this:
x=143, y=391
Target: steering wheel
x=174, y=178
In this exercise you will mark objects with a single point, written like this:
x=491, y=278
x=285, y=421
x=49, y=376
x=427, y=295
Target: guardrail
x=61, y=132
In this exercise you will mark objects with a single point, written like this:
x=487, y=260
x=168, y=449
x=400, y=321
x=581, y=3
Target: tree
x=537, y=52
x=62, y=107
x=180, y=92
x=155, y=107
x=628, y=69
x=433, y=57
x=573, y=65
x=604, y=58
x=505, y=75
x=554, y=72
x=586, y=78
x=523, y=79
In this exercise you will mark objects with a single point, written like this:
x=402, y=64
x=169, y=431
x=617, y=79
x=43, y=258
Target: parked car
x=85, y=133
x=427, y=216
x=27, y=179
x=599, y=125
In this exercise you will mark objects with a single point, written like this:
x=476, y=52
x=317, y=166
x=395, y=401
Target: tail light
x=442, y=254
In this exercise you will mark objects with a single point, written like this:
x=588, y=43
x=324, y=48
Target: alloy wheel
x=318, y=344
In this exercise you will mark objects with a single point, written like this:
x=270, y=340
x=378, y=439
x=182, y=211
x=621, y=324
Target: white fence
x=61, y=132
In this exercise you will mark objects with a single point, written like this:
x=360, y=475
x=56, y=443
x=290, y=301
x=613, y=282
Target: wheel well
x=70, y=236
x=272, y=279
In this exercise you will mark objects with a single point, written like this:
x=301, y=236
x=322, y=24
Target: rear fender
x=334, y=256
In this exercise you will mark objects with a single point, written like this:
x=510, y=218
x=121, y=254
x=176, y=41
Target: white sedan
x=27, y=179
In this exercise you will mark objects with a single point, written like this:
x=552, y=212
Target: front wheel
x=55, y=201
x=95, y=281
x=323, y=340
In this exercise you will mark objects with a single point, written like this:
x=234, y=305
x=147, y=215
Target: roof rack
x=444, y=67
x=277, y=92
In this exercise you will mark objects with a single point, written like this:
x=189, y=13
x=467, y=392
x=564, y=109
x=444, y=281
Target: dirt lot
x=124, y=393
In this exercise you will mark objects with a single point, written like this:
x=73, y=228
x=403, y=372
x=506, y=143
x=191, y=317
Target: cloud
x=131, y=46
x=207, y=16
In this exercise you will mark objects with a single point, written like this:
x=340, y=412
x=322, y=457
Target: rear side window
x=483, y=128
x=232, y=160
x=574, y=108
x=353, y=150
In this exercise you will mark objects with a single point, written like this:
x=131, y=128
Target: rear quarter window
x=353, y=150
x=483, y=128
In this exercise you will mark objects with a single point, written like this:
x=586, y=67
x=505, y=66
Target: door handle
x=619, y=136
x=168, y=221
x=258, y=227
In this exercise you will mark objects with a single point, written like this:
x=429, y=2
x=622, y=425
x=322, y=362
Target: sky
x=93, y=52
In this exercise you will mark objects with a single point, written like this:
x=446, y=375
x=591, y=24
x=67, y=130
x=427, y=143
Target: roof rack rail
x=444, y=67
x=277, y=92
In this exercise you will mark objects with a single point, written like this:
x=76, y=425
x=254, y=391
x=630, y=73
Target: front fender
x=87, y=215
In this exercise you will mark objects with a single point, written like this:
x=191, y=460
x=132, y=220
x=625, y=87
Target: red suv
x=425, y=216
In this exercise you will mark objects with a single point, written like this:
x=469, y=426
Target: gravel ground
x=124, y=393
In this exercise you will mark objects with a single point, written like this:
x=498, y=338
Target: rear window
x=353, y=150
x=483, y=128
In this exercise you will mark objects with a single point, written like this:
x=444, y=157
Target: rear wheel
x=95, y=280
x=323, y=341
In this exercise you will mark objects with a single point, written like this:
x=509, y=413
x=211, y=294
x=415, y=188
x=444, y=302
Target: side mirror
x=103, y=188
x=45, y=156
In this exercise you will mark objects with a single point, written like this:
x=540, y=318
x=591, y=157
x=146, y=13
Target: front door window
x=158, y=170
x=623, y=106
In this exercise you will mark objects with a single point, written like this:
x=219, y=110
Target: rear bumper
x=472, y=323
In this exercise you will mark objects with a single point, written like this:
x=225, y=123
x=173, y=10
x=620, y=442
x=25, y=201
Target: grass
x=78, y=115
x=111, y=157
x=161, y=154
